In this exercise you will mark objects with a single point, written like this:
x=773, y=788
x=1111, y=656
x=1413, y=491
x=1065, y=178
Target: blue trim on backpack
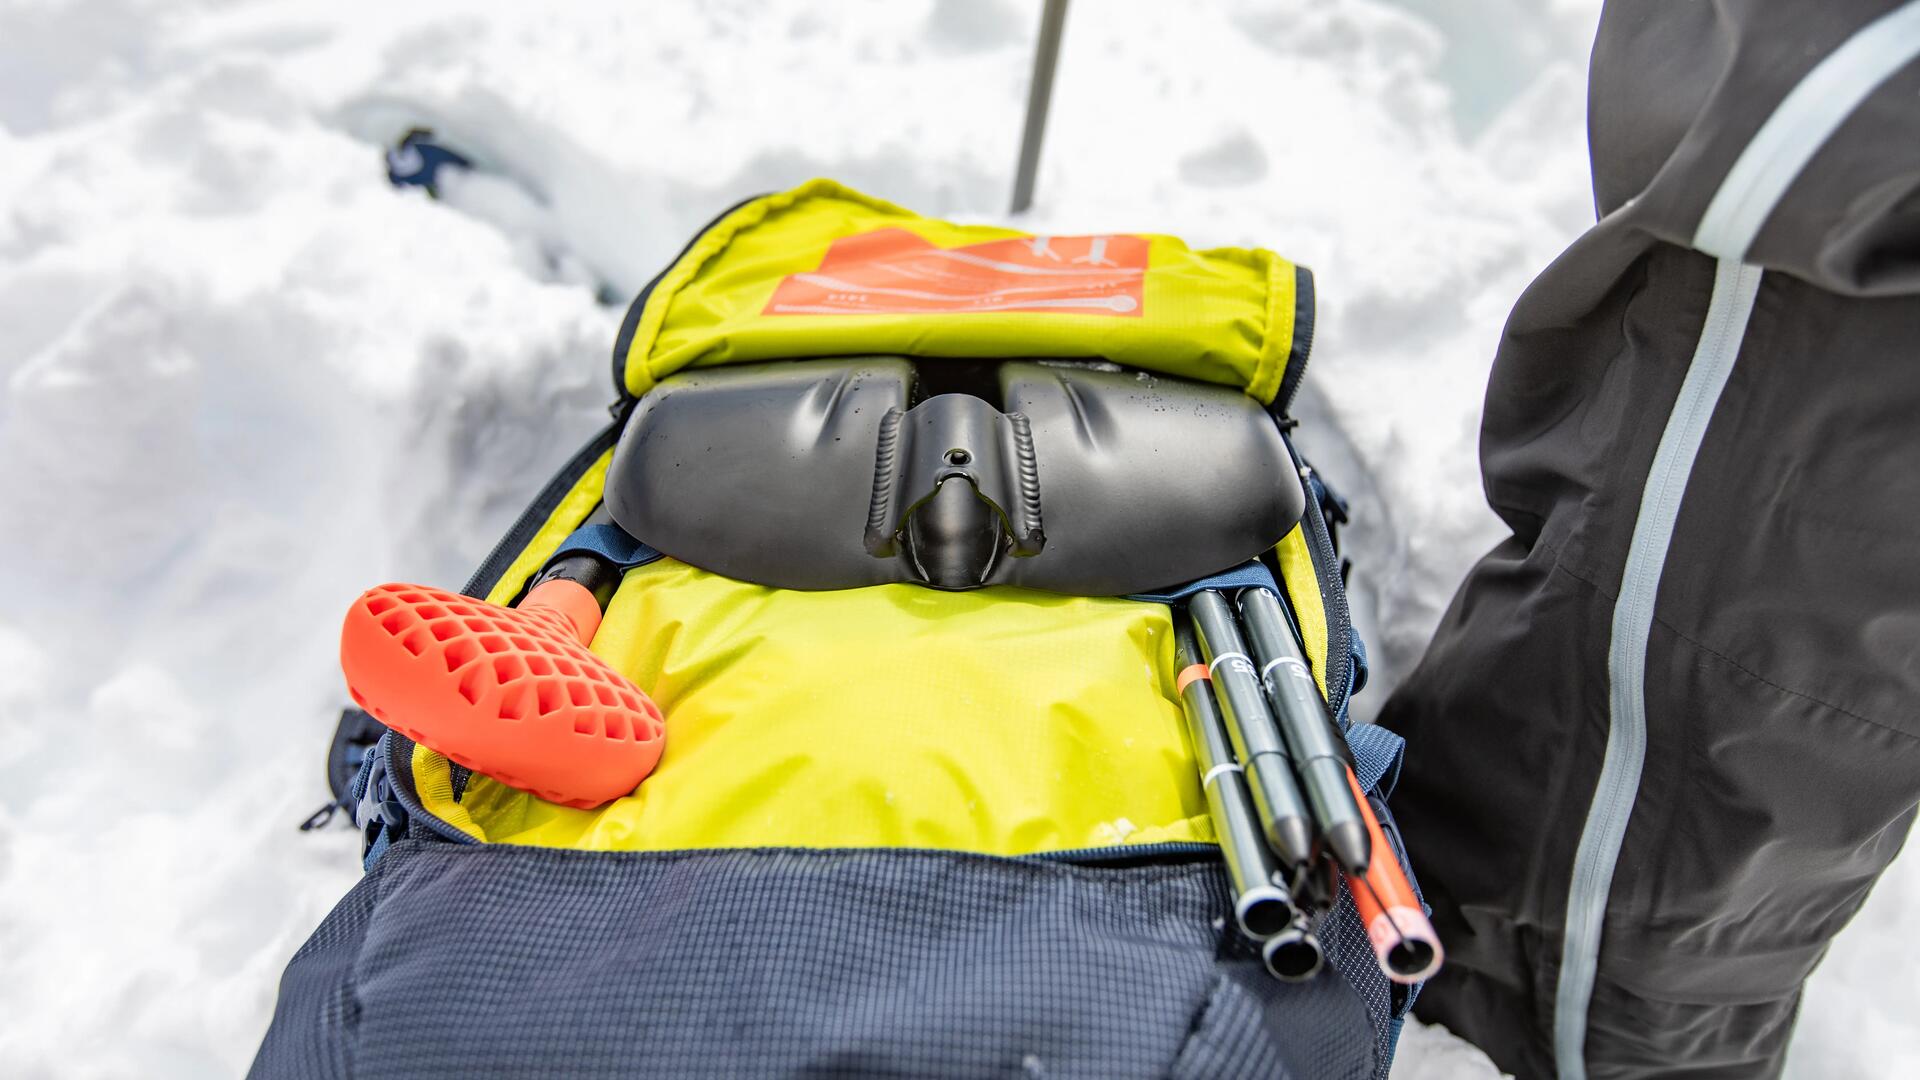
x=1359, y=653
x=382, y=818
x=610, y=543
x=1376, y=757
x=1252, y=574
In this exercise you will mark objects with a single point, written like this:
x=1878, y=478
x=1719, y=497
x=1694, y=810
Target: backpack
x=924, y=808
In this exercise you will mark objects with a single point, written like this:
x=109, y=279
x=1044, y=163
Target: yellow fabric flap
x=1302, y=582
x=1001, y=721
x=823, y=270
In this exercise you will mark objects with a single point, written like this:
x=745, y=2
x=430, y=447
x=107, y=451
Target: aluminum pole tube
x=1320, y=754
x=1261, y=905
x=1250, y=725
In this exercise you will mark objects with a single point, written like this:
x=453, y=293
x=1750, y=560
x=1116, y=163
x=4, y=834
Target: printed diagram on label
x=895, y=272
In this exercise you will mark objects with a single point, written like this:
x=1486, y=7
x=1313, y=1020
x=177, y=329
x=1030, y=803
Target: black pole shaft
x=1319, y=751
x=1256, y=739
x=1261, y=905
x=1046, y=55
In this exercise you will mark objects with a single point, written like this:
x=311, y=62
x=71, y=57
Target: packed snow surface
x=245, y=379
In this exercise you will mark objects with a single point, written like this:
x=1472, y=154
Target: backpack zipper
x=630, y=324
x=1129, y=854
x=1302, y=346
x=404, y=794
x=1333, y=592
x=535, y=515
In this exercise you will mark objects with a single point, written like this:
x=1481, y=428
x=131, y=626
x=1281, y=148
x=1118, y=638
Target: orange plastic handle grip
x=509, y=692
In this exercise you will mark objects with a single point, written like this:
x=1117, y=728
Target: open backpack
x=905, y=522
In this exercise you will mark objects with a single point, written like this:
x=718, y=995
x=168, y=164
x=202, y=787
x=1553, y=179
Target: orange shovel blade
x=509, y=692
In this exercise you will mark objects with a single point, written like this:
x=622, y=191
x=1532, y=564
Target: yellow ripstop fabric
x=1225, y=315
x=1302, y=583
x=1002, y=721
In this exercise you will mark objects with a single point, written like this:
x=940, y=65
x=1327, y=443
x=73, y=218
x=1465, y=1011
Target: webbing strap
x=609, y=542
x=1252, y=574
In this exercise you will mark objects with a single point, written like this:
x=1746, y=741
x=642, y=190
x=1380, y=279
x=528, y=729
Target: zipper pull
x=320, y=818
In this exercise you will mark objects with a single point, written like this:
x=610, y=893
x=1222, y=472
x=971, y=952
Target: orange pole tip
x=509, y=692
x=1403, y=939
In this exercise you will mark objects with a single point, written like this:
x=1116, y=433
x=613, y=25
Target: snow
x=244, y=379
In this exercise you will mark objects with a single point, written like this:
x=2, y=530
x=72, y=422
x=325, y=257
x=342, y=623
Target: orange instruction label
x=895, y=272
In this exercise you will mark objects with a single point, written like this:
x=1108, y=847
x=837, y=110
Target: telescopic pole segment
x=1261, y=906
x=1256, y=739
x=1317, y=748
x=1294, y=954
x=1046, y=54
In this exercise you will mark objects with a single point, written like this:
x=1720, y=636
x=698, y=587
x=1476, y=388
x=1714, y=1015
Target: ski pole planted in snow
x=1319, y=750
x=1250, y=726
x=1046, y=54
x=510, y=692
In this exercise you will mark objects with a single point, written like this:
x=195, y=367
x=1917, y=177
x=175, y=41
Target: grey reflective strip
x=1803, y=121
x=1734, y=285
x=1806, y=118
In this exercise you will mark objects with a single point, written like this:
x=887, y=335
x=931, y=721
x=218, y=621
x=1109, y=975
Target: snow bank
x=243, y=379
